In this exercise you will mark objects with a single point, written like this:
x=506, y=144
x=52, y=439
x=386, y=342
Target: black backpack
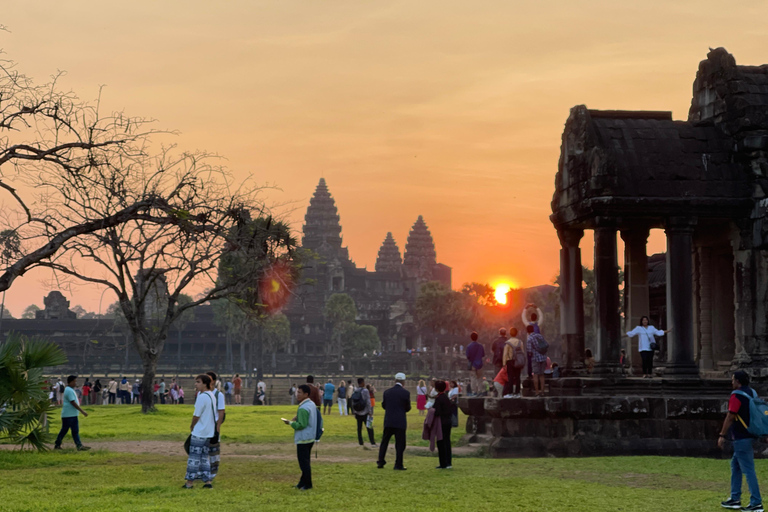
x=358, y=402
x=342, y=392
x=61, y=388
x=498, y=353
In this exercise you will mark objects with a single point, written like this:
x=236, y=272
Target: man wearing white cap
x=396, y=404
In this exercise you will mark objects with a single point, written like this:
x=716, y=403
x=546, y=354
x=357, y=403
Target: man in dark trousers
x=735, y=429
x=396, y=404
x=497, y=350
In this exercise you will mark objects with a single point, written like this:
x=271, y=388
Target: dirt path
x=333, y=452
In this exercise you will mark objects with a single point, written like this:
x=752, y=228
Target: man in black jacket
x=396, y=403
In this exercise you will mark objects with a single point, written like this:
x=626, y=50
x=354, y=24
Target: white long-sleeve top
x=645, y=336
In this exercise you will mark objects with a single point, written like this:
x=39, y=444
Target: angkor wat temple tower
x=384, y=298
x=322, y=228
x=389, y=259
x=420, y=261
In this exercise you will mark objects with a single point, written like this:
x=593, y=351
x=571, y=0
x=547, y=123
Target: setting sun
x=501, y=293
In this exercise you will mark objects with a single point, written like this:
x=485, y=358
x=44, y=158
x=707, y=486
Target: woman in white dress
x=646, y=339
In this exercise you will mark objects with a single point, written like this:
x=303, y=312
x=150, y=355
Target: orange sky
x=448, y=109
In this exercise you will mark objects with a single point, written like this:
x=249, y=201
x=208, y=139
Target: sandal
x=208, y=486
x=185, y=486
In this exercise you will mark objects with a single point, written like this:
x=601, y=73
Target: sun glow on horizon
x=501, y=292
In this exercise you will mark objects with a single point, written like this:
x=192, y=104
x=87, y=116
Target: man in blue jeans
x=70, y=409
x=743, y=462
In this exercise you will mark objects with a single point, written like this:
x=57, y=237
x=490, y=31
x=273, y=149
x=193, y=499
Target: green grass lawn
x=244, y=424
x=257, y=474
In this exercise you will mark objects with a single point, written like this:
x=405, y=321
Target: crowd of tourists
x=746, y=419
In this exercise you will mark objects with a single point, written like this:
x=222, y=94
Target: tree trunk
x=147, y=383
x=434, y=356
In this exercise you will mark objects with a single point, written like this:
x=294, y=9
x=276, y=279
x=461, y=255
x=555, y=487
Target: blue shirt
x=67, y=409
x=475, y=355
x=329, y=389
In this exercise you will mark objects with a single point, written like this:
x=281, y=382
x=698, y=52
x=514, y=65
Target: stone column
x=571, y=298
x=680, y=360
x=607, y=298
x=635, y=283
x=705, y=274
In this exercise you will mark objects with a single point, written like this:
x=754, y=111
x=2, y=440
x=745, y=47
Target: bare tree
x=53, y=147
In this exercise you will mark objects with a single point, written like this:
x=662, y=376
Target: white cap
x=400, y=376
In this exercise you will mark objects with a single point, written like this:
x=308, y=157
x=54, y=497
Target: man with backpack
x=361, y=406
x=513, y=359
x=537, y=347
x=746, y=421
x=305, y=426
x=497, y=349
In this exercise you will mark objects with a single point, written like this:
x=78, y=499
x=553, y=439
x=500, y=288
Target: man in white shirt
x=215, y=447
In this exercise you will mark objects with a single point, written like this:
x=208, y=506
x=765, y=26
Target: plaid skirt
x=199, y=461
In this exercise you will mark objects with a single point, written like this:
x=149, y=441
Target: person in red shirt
x=500, y=381
x=743, y=461
x=314, y=391
x=86, y=393
x=237, y=382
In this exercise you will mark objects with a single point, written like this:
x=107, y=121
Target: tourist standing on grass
x=237, y=382
x=646, y=339
x=372, y=392
x=735, y=429
x=444, y=410
x=361, y=405
x=162, y=391
x=86, y=391
x=421, y=397
x=341, y=393
x=96, y=392
x=475, y=356
x=136, y=392
x=304, y=425
x=314, y=392
x=70, y=409
x=534, y=345
x=125, y=391
x=203, y=428
x=396, y=404
x=292, y=392
x=328, y=390
x=112, y=390
x=214, y=445
x=228, y=392
x=181, y=395
x=350, y=390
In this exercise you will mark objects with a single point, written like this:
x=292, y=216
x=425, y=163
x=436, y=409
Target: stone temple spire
x=389, y=256
x=420, y=256
x=322, y=229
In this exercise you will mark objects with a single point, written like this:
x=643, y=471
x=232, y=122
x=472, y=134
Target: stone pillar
x=607, y=298
x=705, y=273
x=635, y=284
x=571, y=298
x=680, y=360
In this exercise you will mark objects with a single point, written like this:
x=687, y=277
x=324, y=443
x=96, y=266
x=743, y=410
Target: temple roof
x=322, y=227
x=420, y=255
x=389, y=259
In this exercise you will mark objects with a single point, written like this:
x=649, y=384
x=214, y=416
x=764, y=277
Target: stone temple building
x=704, y=181
x=384, y=297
